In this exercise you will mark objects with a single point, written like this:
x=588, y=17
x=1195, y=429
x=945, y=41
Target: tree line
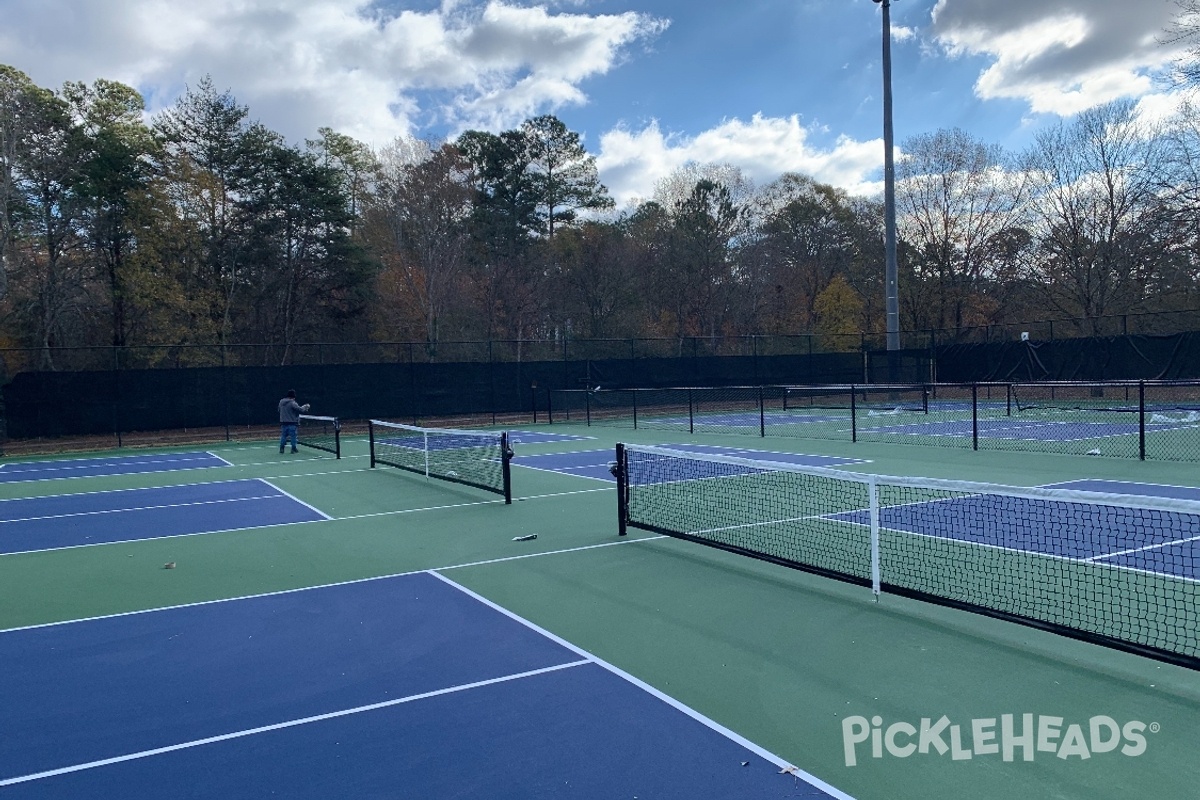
x=203, y=226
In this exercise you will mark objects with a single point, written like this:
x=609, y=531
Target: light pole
x=891, y=291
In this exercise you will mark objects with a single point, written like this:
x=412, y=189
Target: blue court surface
x=46, y=523
x=110, y=465
x=542, y=437
x=402, y=687
x=1032, y=430
x=595, y=463
x=1156, y=541
x=746, y=419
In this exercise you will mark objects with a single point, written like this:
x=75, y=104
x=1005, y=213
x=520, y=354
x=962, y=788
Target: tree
x=1101, y=223
x=698, y=279
x=564, y=177
x=420, y=231
x=596, y=281
x=954, y=194
x=353, y=163
x=114, y=187
x=509, y=273
x=1185, y=29
x=206, y=137
x=18, y=98
x=805, y=240
x=49, y=162
x=839, y=315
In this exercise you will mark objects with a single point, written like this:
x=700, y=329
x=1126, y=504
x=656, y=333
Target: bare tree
x=420, y=232
x=954, y=194
x=1185, y=30
x=1097, y=212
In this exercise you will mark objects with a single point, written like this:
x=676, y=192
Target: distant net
x=320, y=433
x=473, y=458
x=1117, y=570
x=1064, y=397
x=871, y=399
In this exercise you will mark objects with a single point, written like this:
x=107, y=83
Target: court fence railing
x=1145, y=420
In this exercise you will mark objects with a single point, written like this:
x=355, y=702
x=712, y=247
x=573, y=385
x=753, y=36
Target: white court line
x=327, y=585
x=101, y=511
x=325, y=518
x=160, y=488
x=671, y=701
x=39, y=467
x=295, y=499
x=1143, y=549
x=161, y=538
x=568, y=471
x=227, y=462
x=49, y=478
x=288, y=724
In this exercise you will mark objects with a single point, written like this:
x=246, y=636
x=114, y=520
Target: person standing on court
x=289, y=418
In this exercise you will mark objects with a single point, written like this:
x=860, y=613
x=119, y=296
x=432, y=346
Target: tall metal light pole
x=891, y=290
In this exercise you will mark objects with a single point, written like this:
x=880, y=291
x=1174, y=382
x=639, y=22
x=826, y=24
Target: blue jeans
x=287, y=433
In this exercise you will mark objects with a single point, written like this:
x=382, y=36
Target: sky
x=767, y=86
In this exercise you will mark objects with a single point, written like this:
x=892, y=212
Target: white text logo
x=1008, y=736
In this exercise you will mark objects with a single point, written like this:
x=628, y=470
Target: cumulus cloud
x=1059, y=56
x=632, y=162
x=348, y=64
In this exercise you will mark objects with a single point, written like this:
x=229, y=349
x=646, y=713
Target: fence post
x=225, y=391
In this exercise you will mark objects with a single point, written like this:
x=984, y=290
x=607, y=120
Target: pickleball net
x=1115, y=569
x=473, y=458
x=320, y=433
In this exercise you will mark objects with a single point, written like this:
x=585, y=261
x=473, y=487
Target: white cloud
x=347, y=64
x=1059, y=56
x=632, y=162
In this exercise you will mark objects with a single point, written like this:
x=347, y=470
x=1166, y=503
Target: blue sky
x=766, y=86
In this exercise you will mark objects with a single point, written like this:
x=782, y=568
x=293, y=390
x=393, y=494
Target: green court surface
x=780, y=657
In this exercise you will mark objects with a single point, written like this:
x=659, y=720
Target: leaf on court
x=169, y=565
x=528, y=538
x=789, y=771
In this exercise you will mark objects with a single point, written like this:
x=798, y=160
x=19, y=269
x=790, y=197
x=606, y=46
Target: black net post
x=505, y=470
x=853, y=415
x=337, y=438
x=762, y=416
x=1141, y=420
x=587, y=404
x=549, y=407
x=371, y=437
x=622, y=475
x=974, y=416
